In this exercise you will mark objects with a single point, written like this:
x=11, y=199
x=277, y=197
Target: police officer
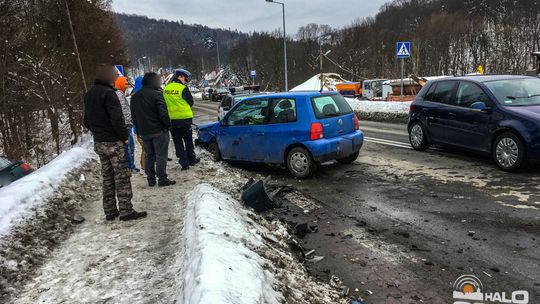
x=179, y=102
x=103, y=116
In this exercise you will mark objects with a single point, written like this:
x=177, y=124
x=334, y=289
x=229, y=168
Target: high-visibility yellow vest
x=177, y=106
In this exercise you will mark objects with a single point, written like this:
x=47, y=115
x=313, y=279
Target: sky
x=252, y=15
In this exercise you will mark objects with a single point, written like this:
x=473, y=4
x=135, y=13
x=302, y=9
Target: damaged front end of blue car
x=205, y=133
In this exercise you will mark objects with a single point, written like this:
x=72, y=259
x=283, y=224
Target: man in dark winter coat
x=104, y=118
x=151, y=119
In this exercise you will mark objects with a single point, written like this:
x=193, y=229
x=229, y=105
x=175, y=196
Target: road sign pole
x=402, y=68
x=403, y=50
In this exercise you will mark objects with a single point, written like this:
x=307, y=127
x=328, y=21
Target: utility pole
x=77, y=54
x=218, y=58
x=284, y=44
x=321, y=65
x=285, y=50
x=322, y=38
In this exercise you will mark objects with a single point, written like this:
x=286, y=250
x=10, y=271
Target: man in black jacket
x=103, y=116
x=151, y=119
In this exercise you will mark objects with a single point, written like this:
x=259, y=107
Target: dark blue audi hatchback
x=497, y=115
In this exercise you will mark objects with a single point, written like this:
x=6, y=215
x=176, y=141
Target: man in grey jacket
x=151, y=119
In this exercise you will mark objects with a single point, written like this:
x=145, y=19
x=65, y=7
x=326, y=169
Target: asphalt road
x=205, y=111
x=400, y=226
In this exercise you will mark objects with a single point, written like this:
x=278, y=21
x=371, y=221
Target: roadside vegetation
x=41, y=88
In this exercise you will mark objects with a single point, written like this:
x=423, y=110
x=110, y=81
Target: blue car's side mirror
x=480, y=105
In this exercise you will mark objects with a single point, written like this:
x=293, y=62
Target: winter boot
x=167, y=183
x=112, y=216
x=134, y=216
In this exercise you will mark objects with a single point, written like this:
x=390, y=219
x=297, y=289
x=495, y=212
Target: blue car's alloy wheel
x=508, y=152
x=417, y=136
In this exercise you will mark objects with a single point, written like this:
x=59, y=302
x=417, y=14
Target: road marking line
x=387, y=142
x=385, y=131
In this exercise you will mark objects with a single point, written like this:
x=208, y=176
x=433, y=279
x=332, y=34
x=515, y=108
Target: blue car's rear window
x=327, y=106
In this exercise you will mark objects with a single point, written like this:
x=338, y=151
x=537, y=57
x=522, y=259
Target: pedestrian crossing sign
x=403, y=49
x=119, y=70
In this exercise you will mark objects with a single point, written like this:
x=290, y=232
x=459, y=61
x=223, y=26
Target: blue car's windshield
x=516, y=92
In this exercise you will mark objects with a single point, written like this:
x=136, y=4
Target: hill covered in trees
x=175, y=44
x=448, y=37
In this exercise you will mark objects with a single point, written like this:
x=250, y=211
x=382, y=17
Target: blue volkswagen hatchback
x=497, y=115
x=298, y=130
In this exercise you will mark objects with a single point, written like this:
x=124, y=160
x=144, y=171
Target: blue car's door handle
x=260, y=133
x=236, y=142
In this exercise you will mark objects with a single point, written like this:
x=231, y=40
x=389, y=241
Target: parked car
x=219, y=94
x=230, y=101
x=297, y=130
x=497, y=115
x=11, y=171
x=207, y=93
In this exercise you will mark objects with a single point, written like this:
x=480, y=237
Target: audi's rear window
x=328, y=106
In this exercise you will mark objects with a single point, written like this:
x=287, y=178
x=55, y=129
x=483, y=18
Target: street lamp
x=144, y=66
x=322, y=39
x=284, y=43
x=209, y=42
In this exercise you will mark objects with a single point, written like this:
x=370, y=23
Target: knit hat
x=121, y=83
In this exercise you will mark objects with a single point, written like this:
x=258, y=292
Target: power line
x=344, y=69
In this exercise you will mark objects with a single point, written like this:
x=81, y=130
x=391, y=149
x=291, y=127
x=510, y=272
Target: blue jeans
x=129, y=149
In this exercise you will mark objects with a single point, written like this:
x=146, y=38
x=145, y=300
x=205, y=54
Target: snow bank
x=221, y=265
x=384, y=111
x=34, y=189
x=379, y=106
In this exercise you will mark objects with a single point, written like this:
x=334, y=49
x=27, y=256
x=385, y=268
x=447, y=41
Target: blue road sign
x=403, y=50
x=120, y=70
x=253, y=74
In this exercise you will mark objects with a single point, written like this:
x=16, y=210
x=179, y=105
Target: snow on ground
x=35, y=189
x=221, y=266
x=379, y=106
x=292, y=278
x=118, y=262
x=234, y=255
x=31, y=241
